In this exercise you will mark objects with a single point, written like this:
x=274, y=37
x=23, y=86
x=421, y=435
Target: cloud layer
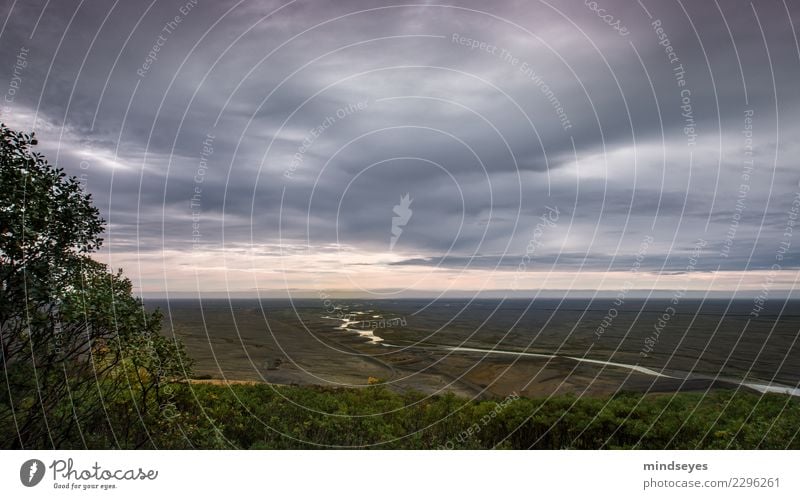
x=264, y=145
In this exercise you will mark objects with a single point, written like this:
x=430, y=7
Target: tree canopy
x=79, y=350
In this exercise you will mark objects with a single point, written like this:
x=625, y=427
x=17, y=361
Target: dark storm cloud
x=563, y=112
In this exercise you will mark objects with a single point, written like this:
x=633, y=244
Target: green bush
x=284, y=417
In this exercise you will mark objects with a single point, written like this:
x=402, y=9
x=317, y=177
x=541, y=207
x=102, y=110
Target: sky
x=382, y=149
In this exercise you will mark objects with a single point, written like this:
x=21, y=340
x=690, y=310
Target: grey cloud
x=487, y=102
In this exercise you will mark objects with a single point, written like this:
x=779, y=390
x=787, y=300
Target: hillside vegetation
x=85, y=366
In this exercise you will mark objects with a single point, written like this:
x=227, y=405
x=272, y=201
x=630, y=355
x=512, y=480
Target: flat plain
x=493, y=348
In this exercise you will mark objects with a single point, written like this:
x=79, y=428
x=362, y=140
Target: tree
x=78, y=349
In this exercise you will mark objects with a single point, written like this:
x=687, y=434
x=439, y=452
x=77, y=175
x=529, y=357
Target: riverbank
x=485, y=352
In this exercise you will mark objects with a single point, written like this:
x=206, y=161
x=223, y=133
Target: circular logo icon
x=31, y=472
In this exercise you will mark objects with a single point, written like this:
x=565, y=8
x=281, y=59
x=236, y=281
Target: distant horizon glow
x=299, y=278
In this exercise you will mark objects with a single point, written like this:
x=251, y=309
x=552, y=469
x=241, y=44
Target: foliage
x=287, y=417
x=77, y=347
x=86, y=366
